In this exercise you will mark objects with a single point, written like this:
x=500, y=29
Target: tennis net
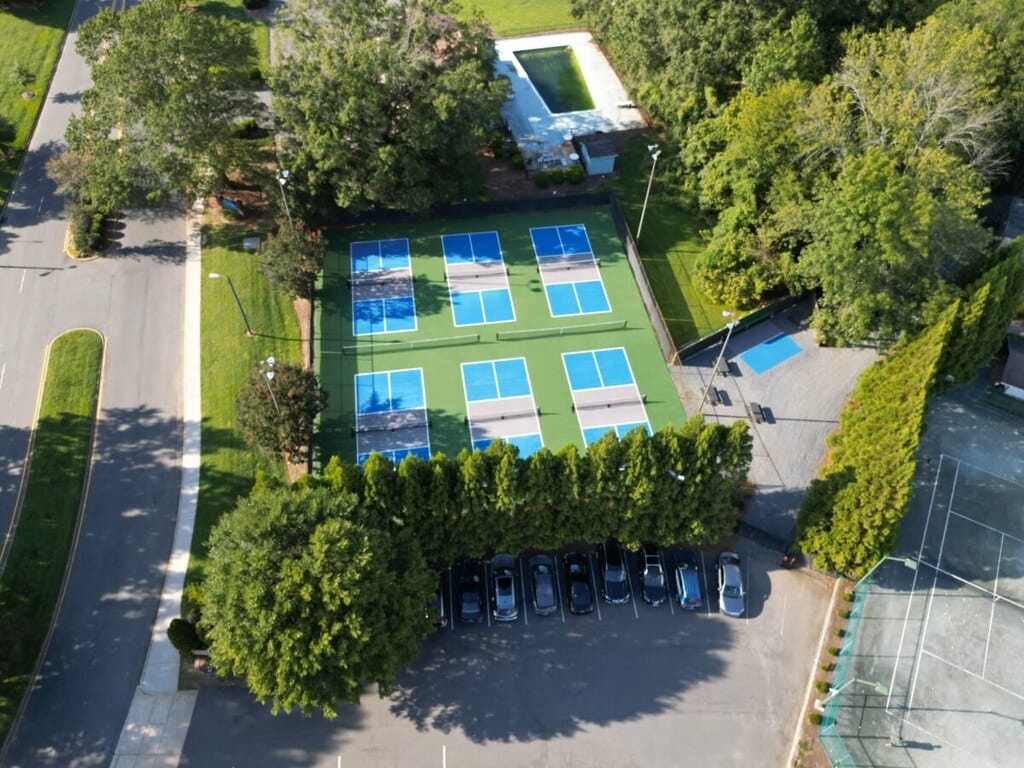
x=502, y=416
x=562, y=330
x=630, y=400
x=390, y=425
x=376, y=347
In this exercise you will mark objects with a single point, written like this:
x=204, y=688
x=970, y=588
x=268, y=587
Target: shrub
x=833, y=650
x=848, y=596
x=515, y=157
x=496, y=143
x=254, y=5
x=558, y=176
x=814, y=718
x=828, y=666
x=184, y=637
x=574, y=174
x=86, y=227
x=839, y=632
x=20, y=76
x=843, y=613
x=542, y=179
x=822, y=686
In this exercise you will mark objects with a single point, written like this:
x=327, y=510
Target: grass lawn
x=233, y=9
x=670, y=245
x=442, y=376
x=556, y=75
x=34, y=571
x=228, y=465
x=524, y=17
x=31, y=38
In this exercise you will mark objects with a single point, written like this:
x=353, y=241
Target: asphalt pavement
x=134, y=297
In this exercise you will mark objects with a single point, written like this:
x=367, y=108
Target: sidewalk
x=157, y=722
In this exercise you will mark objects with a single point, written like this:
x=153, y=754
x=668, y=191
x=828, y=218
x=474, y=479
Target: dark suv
x=652, y=577
x=614, y=579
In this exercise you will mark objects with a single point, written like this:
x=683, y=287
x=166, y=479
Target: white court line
x=22, y=284
x=632, y=592
x=967, y=583
x=593, y=580
x=992, y=613
x=988, y=527
x=913, y=586
x=3, y=370
x=916, y=668
x=975, y=675
x=558, y=590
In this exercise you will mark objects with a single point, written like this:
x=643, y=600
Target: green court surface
x=340, y=355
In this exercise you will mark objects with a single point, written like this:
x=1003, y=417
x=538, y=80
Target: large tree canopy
x=384, y=103
x=308, y=602
x=169, y=83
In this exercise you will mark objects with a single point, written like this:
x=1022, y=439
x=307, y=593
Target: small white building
x=598, y=154
x=1012, y=379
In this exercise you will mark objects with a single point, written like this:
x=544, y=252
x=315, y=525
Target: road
x=134, y=297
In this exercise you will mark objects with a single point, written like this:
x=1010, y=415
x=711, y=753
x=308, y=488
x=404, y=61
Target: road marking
x=559, y=593
x=782, y=624
x=522, y=580
x=451, y=600
x=486, y=607
x=707, y=587
x=593, y=580
x=668, y=582
x=22, y=284
x=632, y=592
x=992, y=613
x=3, y=370
x=444, y=756
x=41, y=201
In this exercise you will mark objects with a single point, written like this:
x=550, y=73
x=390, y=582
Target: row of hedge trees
x=677, y=485
x=851, y=515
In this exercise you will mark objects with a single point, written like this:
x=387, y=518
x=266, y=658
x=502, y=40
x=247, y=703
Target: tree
x=292, y=257
x=277, y=412
x=309, y=603
x=169, y=83
x=385, y=103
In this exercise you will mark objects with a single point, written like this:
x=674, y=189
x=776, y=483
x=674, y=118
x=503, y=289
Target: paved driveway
x=629, y=686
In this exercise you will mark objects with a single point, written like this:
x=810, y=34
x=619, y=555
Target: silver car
x=503, y=594
x=730, y=585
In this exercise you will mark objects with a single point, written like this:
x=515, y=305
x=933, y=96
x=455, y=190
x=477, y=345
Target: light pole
x=267, y=369
x=282, y=179
x=655, y=154
x=231, y=285
x=718, y=360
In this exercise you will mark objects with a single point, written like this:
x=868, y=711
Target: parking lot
x=625, y=685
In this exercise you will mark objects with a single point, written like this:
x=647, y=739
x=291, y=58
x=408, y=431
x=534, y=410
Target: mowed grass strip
x=34, y=572
x=229, y=466
x=670, y=244
x=507, y=17
x=556, y=75
x=30, y=38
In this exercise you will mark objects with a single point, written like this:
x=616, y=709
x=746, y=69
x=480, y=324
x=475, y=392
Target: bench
x=714, y=397
x=722, y=368
x=756, y=412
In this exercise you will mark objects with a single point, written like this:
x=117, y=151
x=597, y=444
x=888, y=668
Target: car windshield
x=504, y=584
x=731, y=591
x=653, y=578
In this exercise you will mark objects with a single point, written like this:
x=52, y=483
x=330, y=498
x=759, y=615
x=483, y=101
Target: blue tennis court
x=383, y=315
x=471, y=247
x=593, y=434
x=580, y=298
x=391, y=415
x=377, y=255
x=770, y=353
x=555, y=242
x=495, y=379
x=600, y=368
x=500, y=405
x=476, y=307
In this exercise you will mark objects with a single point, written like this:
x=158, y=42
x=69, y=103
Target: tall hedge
x=673, y=486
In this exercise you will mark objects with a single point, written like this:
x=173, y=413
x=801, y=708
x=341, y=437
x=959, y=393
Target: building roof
x=599, y=146
x=1013, y=373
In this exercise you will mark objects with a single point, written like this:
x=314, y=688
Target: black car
x=577, y=582
x=614, y=579
x=652, y=577
x=543, y=585
x=471, y=598
x=503, y=590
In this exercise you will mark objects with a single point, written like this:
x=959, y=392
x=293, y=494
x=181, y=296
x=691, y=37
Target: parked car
x=614, y=579
x=503, y=588
x=730, y=584
x=687, y=580
x=542, y=582
x=652, y=577
x=471, y=599
x=577, y=582
x=439, y=611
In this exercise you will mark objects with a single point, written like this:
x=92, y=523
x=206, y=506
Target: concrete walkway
x=154, y=730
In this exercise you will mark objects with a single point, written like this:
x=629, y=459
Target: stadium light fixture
x=718, y=361
x=655, y=154
x=282, y=179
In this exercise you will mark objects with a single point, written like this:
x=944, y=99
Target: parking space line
x=451, y=599
x=561, y=595
x=668, y=582
x=487, y=593
x=522, y=580
x=707, y=587
x=632, y=592
x=592, y=558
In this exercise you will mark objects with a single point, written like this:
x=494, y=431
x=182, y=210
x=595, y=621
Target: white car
x=731, y=597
